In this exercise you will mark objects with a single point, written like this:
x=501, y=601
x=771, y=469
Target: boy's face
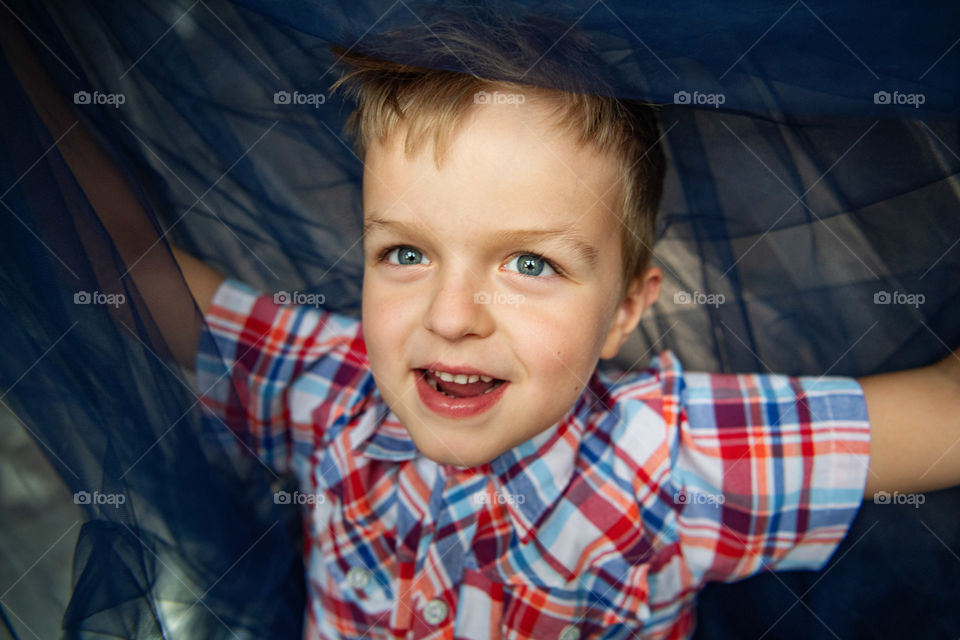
x=453, y=279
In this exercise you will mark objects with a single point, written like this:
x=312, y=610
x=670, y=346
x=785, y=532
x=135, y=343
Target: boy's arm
x=914, y=428
x=201, y=278
x=117, y=207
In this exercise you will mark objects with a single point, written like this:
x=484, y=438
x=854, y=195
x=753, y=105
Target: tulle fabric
x=809, y=225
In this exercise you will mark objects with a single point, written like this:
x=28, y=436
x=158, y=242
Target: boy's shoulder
x=294, y=322
x=273, y=343
x=663, y=372
x=626, y=400
x=665, y=412
x=626, y=421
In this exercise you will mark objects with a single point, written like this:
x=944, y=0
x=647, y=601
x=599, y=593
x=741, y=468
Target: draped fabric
x=809, y=226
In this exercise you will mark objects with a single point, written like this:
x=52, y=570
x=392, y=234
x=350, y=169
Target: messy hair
x=428, y=100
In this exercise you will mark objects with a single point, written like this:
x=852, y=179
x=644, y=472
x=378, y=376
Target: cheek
x=384, y=315
x=559, y=345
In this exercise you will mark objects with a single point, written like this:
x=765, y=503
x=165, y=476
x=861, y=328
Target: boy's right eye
x=405, y=255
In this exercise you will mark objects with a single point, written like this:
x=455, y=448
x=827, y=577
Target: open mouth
x=460, y=385
x=459, y=395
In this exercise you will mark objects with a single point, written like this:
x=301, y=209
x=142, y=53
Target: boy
x=476, y=477
x=471, y=473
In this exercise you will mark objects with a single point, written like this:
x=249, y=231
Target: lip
x=448, y=407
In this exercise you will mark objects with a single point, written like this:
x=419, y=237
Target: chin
x=458, y=456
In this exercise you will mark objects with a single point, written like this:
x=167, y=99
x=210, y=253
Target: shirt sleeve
x=769, y=470
x=251, y=351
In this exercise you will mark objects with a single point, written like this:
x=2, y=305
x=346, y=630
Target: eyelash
x=385, y=252
x=553, y=265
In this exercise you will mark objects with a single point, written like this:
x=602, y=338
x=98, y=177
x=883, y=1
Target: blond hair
x=430, y=102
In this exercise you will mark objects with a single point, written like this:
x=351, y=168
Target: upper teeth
x=460, y=378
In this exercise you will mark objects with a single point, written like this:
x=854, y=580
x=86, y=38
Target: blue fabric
x=802, y=198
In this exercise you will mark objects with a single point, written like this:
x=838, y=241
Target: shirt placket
x=443, y=558
x=425, y=600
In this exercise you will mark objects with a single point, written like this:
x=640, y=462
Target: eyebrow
x=586, y=251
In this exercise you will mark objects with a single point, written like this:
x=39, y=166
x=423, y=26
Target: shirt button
x=358, y=577
x=570, y=632
x=435, y=611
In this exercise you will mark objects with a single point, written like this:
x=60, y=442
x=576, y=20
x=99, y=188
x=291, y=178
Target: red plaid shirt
x=604, y=526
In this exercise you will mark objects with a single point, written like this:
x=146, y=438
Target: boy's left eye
x=530, y=264
x=406, y=255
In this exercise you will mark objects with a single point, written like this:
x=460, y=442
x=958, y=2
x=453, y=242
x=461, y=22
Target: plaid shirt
x=606, y=525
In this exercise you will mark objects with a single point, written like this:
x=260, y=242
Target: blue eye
x=531, y=264
x=405, y=255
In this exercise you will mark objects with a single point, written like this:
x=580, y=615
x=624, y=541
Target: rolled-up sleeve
x=769, y=469
x=250, y=352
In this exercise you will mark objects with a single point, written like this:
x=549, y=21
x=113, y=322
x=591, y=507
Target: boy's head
x=507, y=233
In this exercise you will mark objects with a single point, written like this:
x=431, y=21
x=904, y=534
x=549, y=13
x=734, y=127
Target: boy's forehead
x=501, y=160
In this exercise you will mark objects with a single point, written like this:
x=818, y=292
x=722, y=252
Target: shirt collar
x=539, y=469
x=380, y=435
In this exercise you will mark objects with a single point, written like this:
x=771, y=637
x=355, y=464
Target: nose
x=458, y=307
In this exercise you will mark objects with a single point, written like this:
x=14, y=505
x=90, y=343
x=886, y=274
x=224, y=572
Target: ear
x=641, y=293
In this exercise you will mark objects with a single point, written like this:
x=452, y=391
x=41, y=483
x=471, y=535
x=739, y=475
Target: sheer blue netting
x=811, y=191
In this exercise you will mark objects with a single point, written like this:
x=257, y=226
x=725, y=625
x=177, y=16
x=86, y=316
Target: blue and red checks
x=606, y=525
